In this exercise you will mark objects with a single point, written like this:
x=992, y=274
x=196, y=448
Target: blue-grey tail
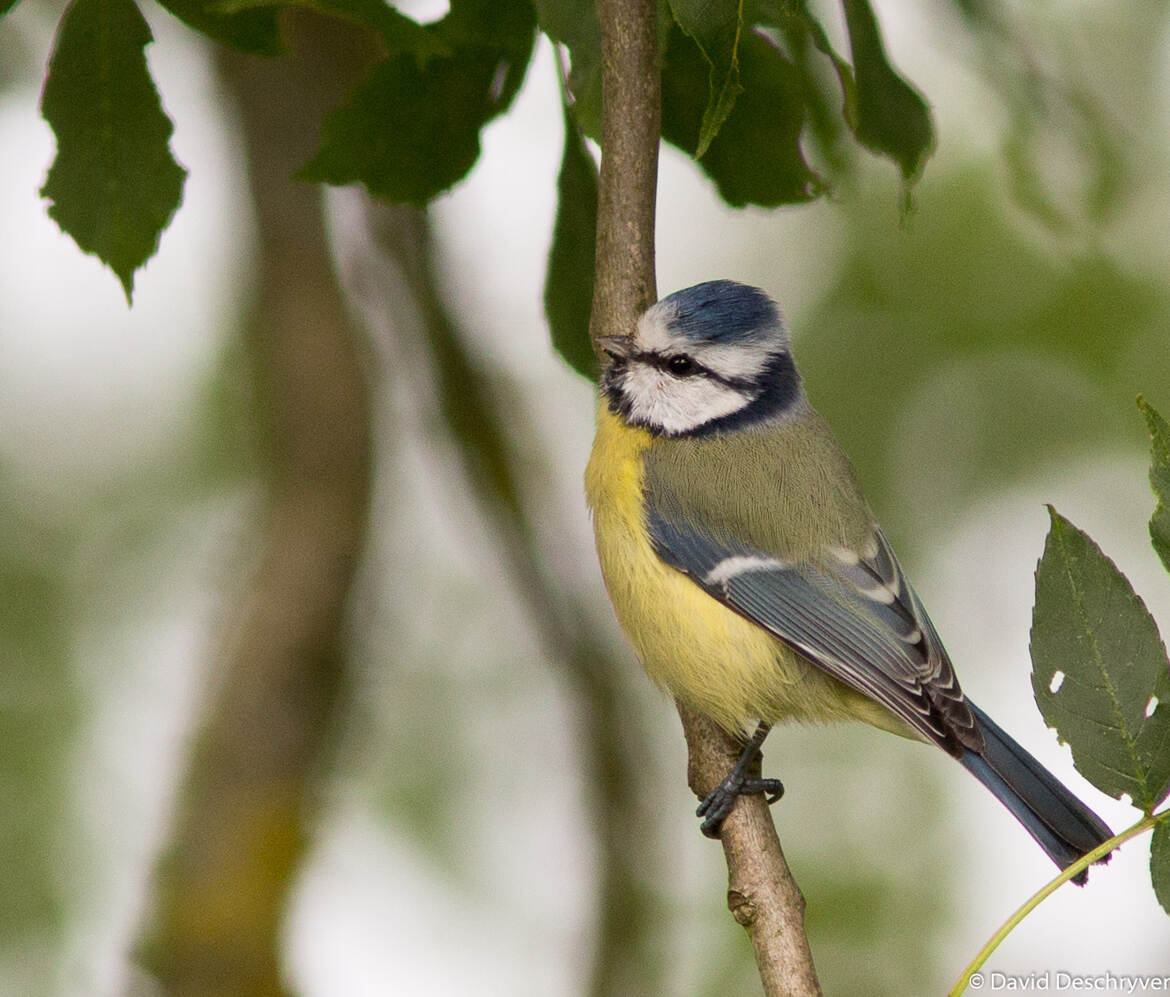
x=1062, y=825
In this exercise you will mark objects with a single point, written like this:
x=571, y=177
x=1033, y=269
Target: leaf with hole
x=1112, y=705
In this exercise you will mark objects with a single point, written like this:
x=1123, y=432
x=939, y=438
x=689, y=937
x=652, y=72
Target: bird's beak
x=617, y=347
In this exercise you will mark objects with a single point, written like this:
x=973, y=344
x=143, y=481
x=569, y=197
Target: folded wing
x=850, y=612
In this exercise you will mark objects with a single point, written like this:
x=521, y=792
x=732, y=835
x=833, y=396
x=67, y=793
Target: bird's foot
x=718, y=803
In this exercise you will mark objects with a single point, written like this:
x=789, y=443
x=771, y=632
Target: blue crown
x=721, y=311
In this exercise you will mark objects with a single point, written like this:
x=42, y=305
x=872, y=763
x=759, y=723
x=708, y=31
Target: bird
x=750, y=574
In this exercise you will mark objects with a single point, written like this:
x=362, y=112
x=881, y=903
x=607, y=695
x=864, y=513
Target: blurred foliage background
x=309, y=679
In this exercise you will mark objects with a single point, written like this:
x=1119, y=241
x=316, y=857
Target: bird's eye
x=681, y=365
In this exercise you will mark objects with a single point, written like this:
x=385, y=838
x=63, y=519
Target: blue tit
x=748, y=571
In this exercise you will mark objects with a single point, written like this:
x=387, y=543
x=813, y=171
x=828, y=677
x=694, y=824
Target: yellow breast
x=708, y=656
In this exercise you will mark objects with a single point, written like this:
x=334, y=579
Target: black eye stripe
x=662, y=362
x=774, y=390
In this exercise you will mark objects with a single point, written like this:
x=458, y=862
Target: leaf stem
x=1086, y=860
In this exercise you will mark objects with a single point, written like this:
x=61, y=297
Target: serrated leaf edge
x=1059, y=524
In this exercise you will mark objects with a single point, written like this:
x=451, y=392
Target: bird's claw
x=772, y=789
x=718, y=803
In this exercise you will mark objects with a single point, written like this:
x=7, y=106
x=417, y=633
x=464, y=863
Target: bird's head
x=711, y=358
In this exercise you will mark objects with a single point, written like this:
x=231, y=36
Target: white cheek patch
x=677, y=405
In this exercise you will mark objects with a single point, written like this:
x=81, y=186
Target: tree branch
x=623, y=285
x=762, y=894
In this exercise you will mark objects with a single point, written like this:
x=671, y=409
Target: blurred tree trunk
x=246, y=811
x=628, y=954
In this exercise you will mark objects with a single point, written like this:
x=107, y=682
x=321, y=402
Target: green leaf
x=1159, y=480
x=1160, y=864
x=114, y=184
x=844, y=71
x=6, y=6
x=756, y=157
x=715, y=26
x=412, y=129
x=575, y=25
x=891, y=117
x=399, y=32
x=1091, y=628
x=802, y=36
x=250, y=30
x=568, y=288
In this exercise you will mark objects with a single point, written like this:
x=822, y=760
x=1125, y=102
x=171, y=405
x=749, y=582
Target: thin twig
x=1080, y=865
x=761, y=891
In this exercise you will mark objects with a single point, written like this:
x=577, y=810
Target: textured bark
x=624, y=276
x=246, y=811
x=762, y=894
